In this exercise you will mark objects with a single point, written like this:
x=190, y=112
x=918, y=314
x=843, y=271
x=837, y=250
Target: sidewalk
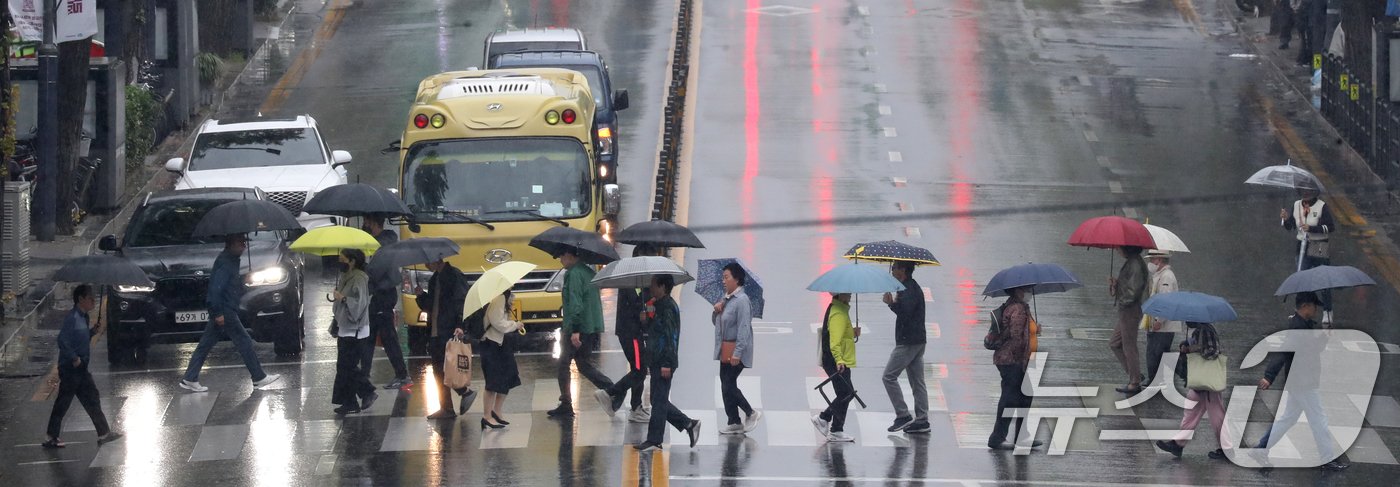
x=26, y=328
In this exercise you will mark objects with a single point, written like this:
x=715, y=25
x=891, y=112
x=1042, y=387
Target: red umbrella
x=1107, y=232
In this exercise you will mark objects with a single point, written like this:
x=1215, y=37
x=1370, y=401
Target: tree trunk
x=73, y=62
x=7, y=136
x=138, y=18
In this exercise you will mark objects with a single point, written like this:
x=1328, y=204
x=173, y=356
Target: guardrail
x=663, y=208
x=1369, y=125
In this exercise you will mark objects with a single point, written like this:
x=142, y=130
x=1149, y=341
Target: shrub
x=210, y=67
x=143, y=113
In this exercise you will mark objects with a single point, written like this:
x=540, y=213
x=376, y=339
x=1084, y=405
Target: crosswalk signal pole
x=46, y=194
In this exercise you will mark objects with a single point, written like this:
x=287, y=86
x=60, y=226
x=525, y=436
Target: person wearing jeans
x=663, y=346
x=74, y=380
x=733, y=320
x=632, y=337
x=583, y=322
x=838, y=355
x=908, y=355
x=225, y=292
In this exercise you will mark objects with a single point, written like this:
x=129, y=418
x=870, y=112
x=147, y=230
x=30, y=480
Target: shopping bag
x=457, y=364
x=1205, y=375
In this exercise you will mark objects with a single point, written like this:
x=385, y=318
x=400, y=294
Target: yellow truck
x=491, y=158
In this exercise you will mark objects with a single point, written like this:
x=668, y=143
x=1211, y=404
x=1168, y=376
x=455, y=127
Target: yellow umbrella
x=325, y=241
x=495, y=282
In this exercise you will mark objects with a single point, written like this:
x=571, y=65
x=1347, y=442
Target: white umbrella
x=636, y=272
x=1285, y=176
x=1166, y=240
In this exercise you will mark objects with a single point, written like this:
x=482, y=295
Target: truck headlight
x=135, y=289
x=556, y=283
x=268, y=277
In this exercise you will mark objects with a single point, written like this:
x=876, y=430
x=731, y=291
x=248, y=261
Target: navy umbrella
x=414, y=251
x=1190, y=306
x=1324, y=277
x=891, y=251
x=1044, y=278
x=356, y=199
x=709, y=283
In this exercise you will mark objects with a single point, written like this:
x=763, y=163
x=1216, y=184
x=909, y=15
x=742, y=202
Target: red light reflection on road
x=752, y=111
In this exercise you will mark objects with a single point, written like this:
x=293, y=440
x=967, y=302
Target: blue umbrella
x=1324, y=277
x=1046, y=278
x=709, y=283
x=1189, y=306
x=855, y=278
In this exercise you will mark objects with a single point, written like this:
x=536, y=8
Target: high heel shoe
x=498, y=419
x=485, y=424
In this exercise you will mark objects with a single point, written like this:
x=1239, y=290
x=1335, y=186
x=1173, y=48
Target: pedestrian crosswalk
x=216, y=426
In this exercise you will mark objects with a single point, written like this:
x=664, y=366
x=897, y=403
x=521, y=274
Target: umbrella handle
x=1302, y=250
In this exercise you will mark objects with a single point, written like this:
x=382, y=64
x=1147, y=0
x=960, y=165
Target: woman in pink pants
x=1200, y=338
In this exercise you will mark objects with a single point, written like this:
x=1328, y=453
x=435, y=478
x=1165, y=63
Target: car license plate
x=191, y=316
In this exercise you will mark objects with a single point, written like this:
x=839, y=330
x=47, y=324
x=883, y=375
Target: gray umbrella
x=102, y=270
x=636, y=272
x=356, y=199
x=590, y=247
x=1285, y=176
x=413, y=251
x=1324, y=277
x=245, y=216
x=659, y=233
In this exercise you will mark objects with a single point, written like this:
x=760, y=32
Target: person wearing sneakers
x=384, y=296
x=351, y=389
x=838, y=355
x=225, y=292
x=733, y=320
x=583, y=322
x=631, y=336
x=74, y=380
x=1311, y=220
x=444, y=300
x=908, y=354
x=663, y=357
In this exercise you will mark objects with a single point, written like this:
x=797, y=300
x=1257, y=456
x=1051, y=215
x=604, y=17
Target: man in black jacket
x=1301, y=395
x=384, y=296
x=908, y=355
x=443, y=300
x=631, y=336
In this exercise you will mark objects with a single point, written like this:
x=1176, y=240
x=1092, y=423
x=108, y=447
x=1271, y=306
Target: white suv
x=286, y=158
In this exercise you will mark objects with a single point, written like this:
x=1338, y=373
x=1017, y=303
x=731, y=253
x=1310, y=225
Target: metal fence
x=1370, y=125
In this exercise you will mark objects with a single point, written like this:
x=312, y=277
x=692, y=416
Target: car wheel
x=418, y=340
x=290, y=339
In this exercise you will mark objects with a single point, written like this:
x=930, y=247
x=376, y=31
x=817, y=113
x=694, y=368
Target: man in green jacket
x=583, y=321
x=838, y=353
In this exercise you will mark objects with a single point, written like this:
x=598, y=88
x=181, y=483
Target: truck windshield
x=497, y=179
x=256, y=148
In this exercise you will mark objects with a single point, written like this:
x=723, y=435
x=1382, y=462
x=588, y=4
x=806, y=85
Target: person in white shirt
x=1160, y=333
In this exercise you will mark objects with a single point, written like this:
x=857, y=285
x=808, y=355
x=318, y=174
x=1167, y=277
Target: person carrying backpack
x=1013, y=338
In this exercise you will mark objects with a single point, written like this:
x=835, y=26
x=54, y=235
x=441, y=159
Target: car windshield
x=498, y=179
x=172, y=223
x=505, y=47
x=256, y=148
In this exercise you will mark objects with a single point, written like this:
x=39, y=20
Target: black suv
x=157, y=238
x=609, y=102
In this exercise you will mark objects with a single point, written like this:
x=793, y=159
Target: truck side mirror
x=612, y=199
x=394, y=146
x=620, y=101
x=108, y=243
x=175, y=165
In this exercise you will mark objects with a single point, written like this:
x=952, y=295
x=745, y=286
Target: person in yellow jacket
x=838, y=353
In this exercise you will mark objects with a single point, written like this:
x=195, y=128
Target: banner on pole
x=29, y=19
x=76, y=20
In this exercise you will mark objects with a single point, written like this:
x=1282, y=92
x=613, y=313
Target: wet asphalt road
x=818, y=126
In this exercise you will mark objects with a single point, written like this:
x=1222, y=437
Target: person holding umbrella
x=1017, y=341
x=74, y=380
x=384, y=296
x=1129, y=290
x=733, y=320
x=1312, y=223
x=583, y=321
x=1160, y=332
x=838, y=355
x=663, y=320
x=498, y=360
x=444, y=300
x=352, y=390
x=225, y=292
x=910, y=336
x=631, y=334
x=1303, y=394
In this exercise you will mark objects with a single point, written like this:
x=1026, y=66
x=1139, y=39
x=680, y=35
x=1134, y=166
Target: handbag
x=335, y=329
x=1318, y=249
x=726, y=350
x=1205, y=375
x=457, y=364
x=995, y=334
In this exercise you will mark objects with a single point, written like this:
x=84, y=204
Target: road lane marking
x=752, y=387
x=325, y=465
x=44, y=462
x=895, y=156
x=1115, y=186
x=912, y=232
x=864, y=10
x=1090, y=136
x=879, y=88
x=1130, y=212
x=898, y=182
x=335, y=13
x=224, y=442
x=1103, y=161
x=885, y=110
x=891, y=132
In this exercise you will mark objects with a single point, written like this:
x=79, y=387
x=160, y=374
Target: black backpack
x=996, y=335
x=475, y=324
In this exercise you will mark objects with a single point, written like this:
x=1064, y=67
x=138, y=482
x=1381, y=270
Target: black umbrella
x=659, y=233
x=413, y=251
x=589, y=246
x=356, y=199
x=245, y=216
x=892, y=251
x=102, y=270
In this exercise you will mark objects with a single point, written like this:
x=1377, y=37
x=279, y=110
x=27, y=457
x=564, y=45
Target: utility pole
x=46, y=194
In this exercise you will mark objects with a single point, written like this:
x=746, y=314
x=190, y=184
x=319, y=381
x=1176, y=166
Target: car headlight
x=135, y=289
x=556, y=283
x=267, y=277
